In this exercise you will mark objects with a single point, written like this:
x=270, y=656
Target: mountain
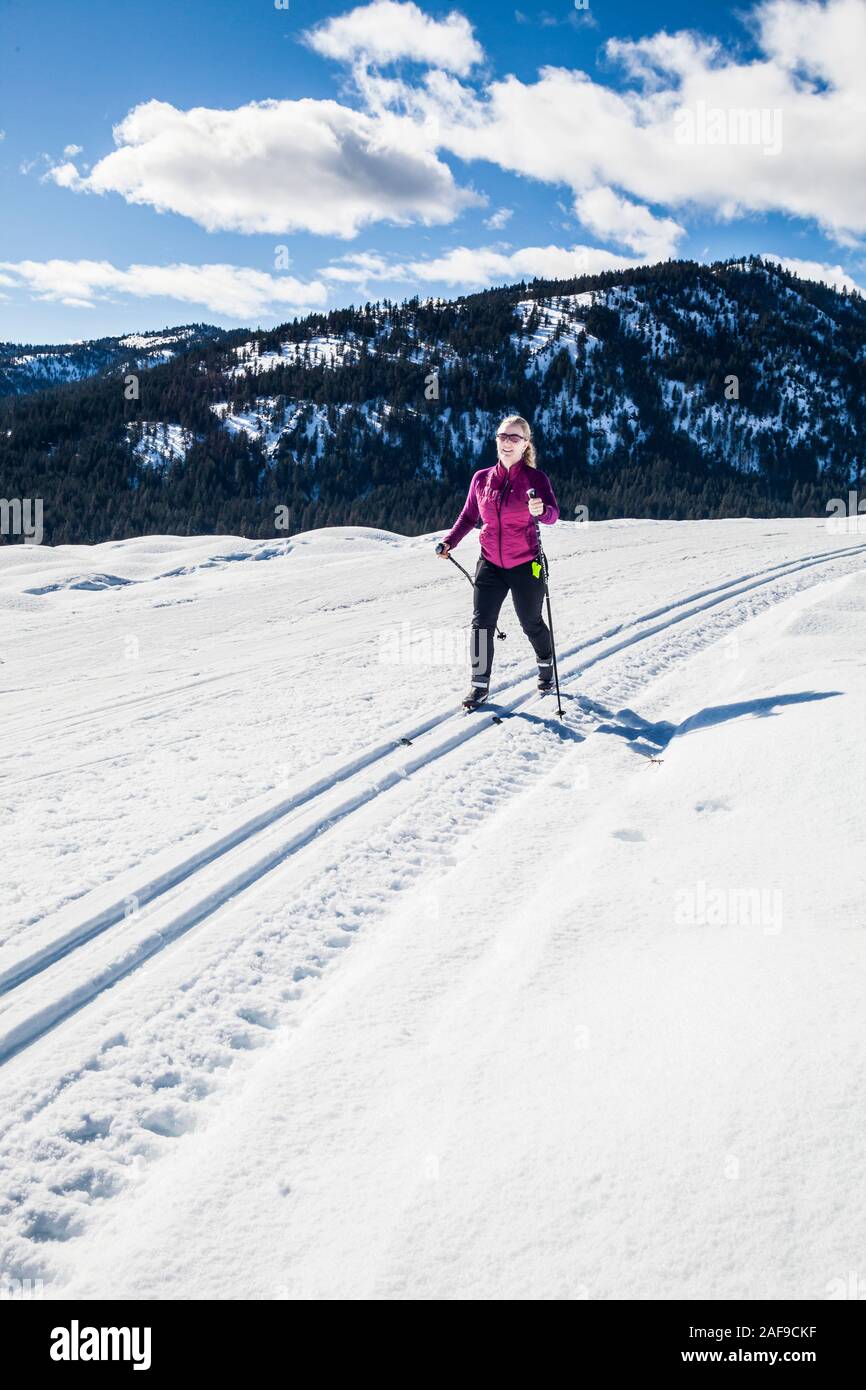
x=679, y=390
x=28, y=368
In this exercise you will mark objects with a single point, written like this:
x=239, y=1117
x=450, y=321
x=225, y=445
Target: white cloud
x=564, y=128
x=826, y=41
x=487, y=265
x=358, y=268
x=498, y=219
x=651, y=60
x=323, y=167
x=27, y=164
x=466, y=265
x=632, y=225
x=832, y=275
x=233, y=291
x=386, y=31
x=71, y=150
x=275, y=167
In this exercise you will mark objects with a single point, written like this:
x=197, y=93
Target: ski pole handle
x=530, y=492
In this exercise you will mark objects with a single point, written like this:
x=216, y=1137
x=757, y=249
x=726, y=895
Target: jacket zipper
x=499, y=517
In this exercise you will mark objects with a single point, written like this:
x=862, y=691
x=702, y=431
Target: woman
x=509, y=551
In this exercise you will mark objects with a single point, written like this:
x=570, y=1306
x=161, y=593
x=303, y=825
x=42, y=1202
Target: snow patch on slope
x=158, y=444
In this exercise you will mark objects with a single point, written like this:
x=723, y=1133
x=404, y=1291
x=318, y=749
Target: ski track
x=105, y=907
x=122, y=1102
x=162, y=738
x=142, y=889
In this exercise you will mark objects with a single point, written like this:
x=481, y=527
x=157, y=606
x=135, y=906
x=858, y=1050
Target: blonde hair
x=529, y=451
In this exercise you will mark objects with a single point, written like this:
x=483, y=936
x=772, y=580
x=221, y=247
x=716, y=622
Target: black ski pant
x=492, y=583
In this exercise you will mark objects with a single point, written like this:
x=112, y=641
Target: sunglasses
x=514, y=438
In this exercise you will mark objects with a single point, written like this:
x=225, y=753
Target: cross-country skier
x=509, y=551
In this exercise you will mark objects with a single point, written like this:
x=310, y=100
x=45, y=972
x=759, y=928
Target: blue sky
x=240, y=163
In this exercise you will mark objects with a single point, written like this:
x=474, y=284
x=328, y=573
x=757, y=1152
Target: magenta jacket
x=497, y=498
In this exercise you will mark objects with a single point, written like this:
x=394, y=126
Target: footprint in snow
x=169, y=1122
x=88, y=1129
x=54, y=1224
x=260, y=1017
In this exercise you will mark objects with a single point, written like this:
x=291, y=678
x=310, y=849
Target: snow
x=265, y=421
x=330, y=350
x=158, y=443
x=291, y=1009
x=66, y=363
x=556, y=312
x=324, y=350
x=151, y=340
x=268, y=422
x=52, y=366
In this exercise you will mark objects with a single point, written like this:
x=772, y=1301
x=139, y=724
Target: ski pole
x=545, y=572
x=440, y=547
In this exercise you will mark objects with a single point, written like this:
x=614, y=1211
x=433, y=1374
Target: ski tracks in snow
x=274, y=893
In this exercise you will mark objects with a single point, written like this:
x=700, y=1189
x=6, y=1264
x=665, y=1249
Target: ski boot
x=476, y=696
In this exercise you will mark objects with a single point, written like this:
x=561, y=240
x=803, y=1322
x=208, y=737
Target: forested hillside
x=679, y=390
x=28, y=367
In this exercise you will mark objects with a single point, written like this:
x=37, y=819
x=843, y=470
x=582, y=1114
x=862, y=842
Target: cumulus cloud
x=276, y=167
x=631, y=224
x=498, y=219
x=233, y=291
x=464, y=265
x=386, y=31
x=822, y=41
x=478, y=267
x=694, y=127
x=832, y=275
x=653, y=59
x=359, y=267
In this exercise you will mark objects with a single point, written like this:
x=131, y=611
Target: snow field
x=400, y=1191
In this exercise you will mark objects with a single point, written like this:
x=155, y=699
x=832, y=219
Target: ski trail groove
x=221, y=866
x=140, y=885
